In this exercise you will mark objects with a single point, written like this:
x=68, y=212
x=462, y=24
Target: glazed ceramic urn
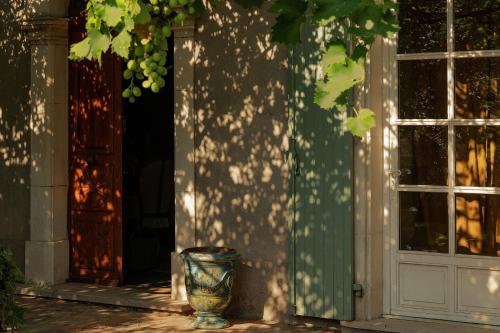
x=209, y=279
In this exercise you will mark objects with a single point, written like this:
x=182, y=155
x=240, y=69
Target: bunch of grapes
x=148, y=57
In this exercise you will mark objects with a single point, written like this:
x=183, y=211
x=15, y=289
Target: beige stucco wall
x=240, y=137
x=14, y=130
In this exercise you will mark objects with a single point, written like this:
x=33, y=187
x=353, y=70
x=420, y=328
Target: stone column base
x=178, y=286
x=47, y=262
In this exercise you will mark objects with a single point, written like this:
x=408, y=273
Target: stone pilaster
x=185, y=219
x=47, y=250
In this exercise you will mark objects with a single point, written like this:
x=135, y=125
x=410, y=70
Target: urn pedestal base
x=209, y=321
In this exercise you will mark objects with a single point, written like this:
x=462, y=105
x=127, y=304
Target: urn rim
x=210, y=253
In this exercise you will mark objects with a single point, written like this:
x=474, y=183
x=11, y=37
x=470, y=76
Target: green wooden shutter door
x=321, y=247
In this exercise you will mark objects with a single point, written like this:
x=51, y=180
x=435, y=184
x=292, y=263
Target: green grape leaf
x=291, y=16
x=121, y=44
x=131, y=6
x=249, y=3
x=98, y=43
x=112, y=15
x=98, y=9
x=143, y=17
x=325, y=9
x=335, y=54
x=326, y=21
x=128, y=24
x=359, y=52
x=389, y=4
x=134, y=7
x=80, y=50
x=342, y=102
x=287, y=31
x=340, y=78
x=341, y=73
x=93, y=22
x=360, y=124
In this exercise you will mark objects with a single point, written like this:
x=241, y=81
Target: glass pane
x=423, y=155
x=476, y=88
x=423, y=26
x=423, y=221
x=422, y=89
x=477, y=24
x=477, y=156
x=478, y=224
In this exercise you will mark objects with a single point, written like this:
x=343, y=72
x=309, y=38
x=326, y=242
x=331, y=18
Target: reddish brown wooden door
x=95, y=184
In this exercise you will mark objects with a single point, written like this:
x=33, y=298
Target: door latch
x=357, y=288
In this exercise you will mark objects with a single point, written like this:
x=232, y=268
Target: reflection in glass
x=422, y=89
x=423, y=221
x=477, y=88
x=477, y=24
x=477, y=156
x=423, y=155
x=423, y=26
x=478, y=224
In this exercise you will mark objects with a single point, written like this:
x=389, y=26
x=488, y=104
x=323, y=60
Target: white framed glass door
x=444, y=161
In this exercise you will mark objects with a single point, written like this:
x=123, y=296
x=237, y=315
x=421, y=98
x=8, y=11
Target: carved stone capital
x=45, y=30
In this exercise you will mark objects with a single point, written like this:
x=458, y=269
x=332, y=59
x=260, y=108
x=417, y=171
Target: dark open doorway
x=148, y=184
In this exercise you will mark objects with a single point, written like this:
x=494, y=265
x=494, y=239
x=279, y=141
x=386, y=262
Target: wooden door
x=95, y=175
x=321, y=240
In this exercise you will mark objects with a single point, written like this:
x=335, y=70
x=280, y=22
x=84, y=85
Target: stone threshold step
x=158, y=299
x=392, y=325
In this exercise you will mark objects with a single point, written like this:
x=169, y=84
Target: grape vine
x=138, y=30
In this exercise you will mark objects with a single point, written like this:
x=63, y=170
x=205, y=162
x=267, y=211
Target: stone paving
x=57, y=316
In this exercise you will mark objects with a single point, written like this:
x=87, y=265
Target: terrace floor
x=60, y=316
